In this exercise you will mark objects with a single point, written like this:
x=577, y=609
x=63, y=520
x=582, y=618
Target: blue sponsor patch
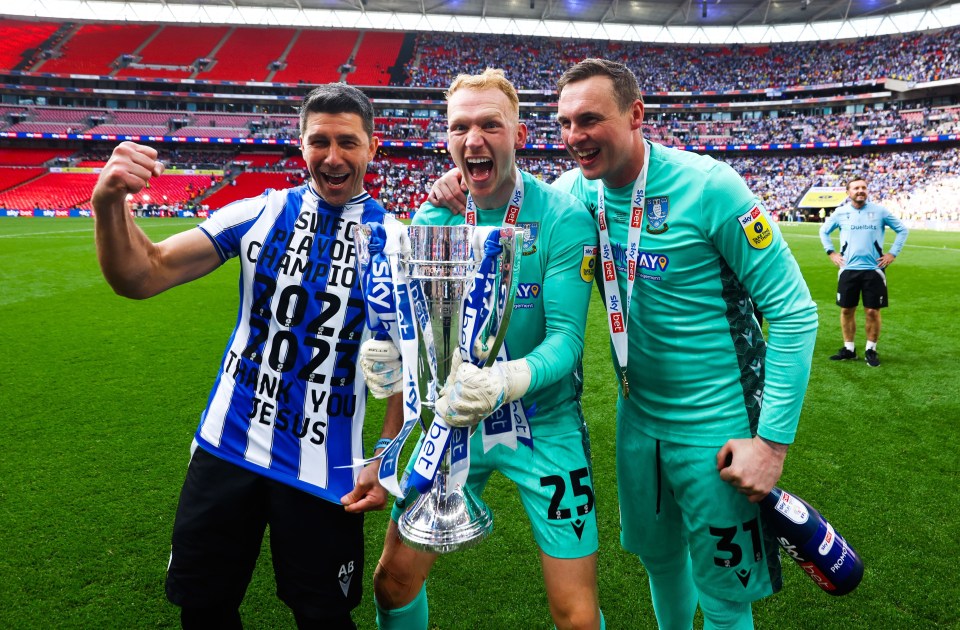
x=528, y=291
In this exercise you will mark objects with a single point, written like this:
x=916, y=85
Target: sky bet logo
x=602, y=220
x=512, y=213
x=609, y=273
x=616, y=322
x=636, y=217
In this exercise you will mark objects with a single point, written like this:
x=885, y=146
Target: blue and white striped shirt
x=288, y=402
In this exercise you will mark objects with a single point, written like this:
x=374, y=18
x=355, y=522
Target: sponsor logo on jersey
x=530, y=232
x=657, y=210
x=528, y=291
x=756, y=228
x=588, y=264
x=344, y=576
x=652, y=261
x=578, y=527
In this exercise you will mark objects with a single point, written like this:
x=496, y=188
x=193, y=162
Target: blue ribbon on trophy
x=434, y=274
x=508, y=425
x=391, y=316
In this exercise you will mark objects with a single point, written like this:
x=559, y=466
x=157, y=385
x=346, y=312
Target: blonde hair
x=491, y=78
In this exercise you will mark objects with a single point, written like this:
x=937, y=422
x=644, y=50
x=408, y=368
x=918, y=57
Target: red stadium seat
x=305, y=64
x=177, y=47
x=248, y=185
x=19, y=36
x=93, y=48
x=247, y=54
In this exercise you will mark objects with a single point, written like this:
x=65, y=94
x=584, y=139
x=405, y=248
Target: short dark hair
x=337, y=98
x=856, y=178
x=625, y=87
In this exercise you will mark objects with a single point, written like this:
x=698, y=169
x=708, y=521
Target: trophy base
x=440, y=524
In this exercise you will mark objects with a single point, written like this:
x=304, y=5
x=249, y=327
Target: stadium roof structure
x=663, y=21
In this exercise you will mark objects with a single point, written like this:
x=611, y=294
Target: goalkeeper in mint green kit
x=707, y=407
x=538, y=382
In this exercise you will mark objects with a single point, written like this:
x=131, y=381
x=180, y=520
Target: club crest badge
x=530, y=232
x=657, y=209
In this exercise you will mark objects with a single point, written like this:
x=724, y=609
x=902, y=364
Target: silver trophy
x=449, y=517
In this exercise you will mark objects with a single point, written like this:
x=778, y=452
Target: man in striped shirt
x=283, y=425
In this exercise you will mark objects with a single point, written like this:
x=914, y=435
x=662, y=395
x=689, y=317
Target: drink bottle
x=812, y=542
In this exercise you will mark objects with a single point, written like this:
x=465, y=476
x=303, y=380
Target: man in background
x=862, y=265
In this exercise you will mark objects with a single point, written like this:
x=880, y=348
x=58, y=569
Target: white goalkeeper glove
x=476, y=393
x=382, y=368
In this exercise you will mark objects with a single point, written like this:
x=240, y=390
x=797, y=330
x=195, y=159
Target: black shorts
x=317, y=547
x=872, y=283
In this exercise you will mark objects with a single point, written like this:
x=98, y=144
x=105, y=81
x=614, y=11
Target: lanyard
x=509, y=424
x=513, y=208
x=618, y=313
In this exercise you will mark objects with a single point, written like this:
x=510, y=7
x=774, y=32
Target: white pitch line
x=939, y=249
x=86, y=231
x=43, y=233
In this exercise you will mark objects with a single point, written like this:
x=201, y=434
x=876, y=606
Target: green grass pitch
x=101, y=395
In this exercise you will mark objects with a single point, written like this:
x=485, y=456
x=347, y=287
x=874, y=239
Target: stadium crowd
x=535, y=63
x=678, y=129
x=918, y=186
x=906, y=182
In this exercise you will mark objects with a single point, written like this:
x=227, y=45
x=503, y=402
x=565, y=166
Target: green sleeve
x=771, y=276
x=567, y=283
x=567, y=181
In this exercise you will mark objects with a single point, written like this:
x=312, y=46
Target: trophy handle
x=511, y=239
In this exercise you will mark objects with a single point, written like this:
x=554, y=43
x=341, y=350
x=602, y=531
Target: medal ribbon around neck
x=618, y=312
x=510, y=424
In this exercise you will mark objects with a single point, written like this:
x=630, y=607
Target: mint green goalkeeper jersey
x=698, y=366
x=550, y=308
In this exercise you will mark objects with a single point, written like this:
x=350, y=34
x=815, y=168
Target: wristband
x=382, y=443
